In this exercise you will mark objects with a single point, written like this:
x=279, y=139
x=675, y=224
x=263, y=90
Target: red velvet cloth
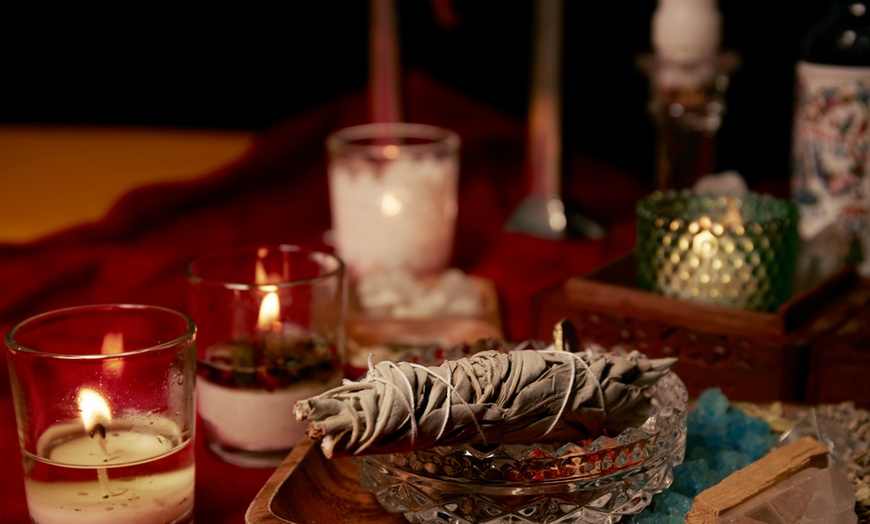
x=278, y=193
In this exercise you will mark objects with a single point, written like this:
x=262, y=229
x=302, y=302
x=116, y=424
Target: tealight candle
x=157, y=485
x=736, y=251
x=271, y=333
x=106, y=425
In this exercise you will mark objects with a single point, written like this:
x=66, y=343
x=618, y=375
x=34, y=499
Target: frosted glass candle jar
x=105, y=408
x=736, y=251
x=270, y=322
x=393, y=196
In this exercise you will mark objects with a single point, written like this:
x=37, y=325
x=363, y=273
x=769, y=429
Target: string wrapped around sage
x=516, y=397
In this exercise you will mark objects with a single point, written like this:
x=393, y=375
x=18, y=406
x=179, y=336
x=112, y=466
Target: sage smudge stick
x=517, y=397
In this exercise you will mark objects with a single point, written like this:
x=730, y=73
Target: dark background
x=248, y=66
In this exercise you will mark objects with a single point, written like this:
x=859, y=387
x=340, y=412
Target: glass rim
x=16, y=347
x=667, y=195
x=195, y=278
x=347, y=138
x=777, y=209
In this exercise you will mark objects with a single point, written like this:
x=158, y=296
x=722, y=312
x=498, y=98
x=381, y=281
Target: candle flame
x=391, y=151
x=732, y=214
x=270, y=308
x=260, y=276
x=391, y=204
x=705, y=244
x=93, y=408
x=113, y=343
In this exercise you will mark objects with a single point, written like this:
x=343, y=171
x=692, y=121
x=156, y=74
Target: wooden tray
x=308, y=488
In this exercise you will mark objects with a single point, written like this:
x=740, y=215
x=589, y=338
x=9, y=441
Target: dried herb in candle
x=521, y=396
x=269, y=367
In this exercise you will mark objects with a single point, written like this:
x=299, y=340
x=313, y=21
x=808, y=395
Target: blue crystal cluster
x=720, y=440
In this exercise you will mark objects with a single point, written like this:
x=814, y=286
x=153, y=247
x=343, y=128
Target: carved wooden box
x=784, y=355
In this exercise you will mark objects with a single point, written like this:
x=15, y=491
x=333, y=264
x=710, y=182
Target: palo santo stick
x=755, y=478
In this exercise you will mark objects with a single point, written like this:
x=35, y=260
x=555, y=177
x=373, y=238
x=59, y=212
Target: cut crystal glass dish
x=596, y=481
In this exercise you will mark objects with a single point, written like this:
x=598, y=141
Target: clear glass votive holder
x=735, y=251
x=105, y=407
x=271, y=332
x=393, y=196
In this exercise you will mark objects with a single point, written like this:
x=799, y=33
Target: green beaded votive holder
x=735, y=251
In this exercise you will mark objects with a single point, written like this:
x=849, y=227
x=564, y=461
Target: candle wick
x=103, y=478
x=98, y=428
x=102, y=474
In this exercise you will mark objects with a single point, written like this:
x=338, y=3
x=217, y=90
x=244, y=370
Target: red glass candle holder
x=271, y=332
x=105, y=408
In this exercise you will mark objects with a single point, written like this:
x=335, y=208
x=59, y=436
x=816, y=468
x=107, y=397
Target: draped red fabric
x=277, y=193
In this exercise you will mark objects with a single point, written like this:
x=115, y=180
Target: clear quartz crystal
x=811, y=496
x=399, y=294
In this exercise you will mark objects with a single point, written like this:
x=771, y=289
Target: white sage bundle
x=516, y=397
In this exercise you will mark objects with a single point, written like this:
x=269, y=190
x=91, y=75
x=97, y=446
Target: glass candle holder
x=105, y=408
x=736, y=251
x=271, y=332
x=393, y=195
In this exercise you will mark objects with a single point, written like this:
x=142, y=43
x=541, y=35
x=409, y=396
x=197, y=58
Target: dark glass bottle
x=842, y=38
x=831, y=141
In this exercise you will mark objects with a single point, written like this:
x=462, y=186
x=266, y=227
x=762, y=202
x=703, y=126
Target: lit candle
x=113, y=344
x=70, y=481
x=721, y=249
x=252, y=418
x=95, y=412
x=270, y=322
x=103, y=398
x=260, y=276
x=270, y=309
x=707, y=269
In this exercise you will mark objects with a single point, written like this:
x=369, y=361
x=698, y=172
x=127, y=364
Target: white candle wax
x=255, y=419
x=152, y=499
x=123, y=447
x=163, y=492
x=399, y=216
